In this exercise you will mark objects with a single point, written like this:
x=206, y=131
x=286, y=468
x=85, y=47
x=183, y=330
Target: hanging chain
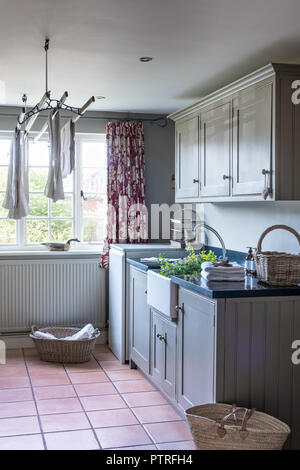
x=24, y=99
x=46, y=47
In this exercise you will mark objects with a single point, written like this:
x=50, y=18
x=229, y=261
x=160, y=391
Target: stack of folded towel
x=213, y=271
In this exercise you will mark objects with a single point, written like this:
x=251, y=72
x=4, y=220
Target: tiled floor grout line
x=88, y=411
x=84, y=411
x=145, y=430
x=88, y=429
x=35, y=403
x=89, y=396
x=79, y=383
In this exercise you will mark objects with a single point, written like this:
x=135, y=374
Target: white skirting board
x=17, y=341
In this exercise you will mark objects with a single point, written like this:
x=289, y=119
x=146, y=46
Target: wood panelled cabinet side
x=139, y=319
x=254, y=357
x=256, y=149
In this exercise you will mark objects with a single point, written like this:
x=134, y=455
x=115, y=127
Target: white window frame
x=77, y=201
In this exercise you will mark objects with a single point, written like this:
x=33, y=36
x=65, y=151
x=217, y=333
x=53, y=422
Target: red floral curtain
x=126, y=214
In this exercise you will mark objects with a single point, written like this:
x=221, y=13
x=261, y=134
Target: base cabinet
x=233, y=350
x=196, y=350
x=163, y=353
x=139, y=320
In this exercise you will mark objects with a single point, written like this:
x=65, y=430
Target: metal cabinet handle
x=161, y=337
x=226, y=177
x=267, y=184
x=195, y=181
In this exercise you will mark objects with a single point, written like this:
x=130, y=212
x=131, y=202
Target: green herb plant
x=189, y=266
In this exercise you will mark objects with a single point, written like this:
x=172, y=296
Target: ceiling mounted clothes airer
x=29, y=117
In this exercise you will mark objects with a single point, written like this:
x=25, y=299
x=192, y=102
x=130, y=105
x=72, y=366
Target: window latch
x=82, y=195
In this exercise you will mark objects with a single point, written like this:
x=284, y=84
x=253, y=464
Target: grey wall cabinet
x=187, y=158
x=163, y=353
x=139, y=319
x=196, y=350
x=248, y=141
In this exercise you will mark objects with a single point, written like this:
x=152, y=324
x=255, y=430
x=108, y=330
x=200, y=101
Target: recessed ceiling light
x=100, y=97
x=145, y=59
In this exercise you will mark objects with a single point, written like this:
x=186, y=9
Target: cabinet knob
x=226, y=177
x=161, y=337
x=195, y=181
x=265, y=172
x=146, y=292
x=177, y=308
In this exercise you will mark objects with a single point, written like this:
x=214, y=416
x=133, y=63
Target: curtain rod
x=160, y=121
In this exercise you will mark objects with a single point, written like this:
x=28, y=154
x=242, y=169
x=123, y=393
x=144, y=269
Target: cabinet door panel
x=215, y=151
x=187, y=158
x=169, y=369
x=139, y=320
x=196, y=350
x=252, y=139
x=157, y=349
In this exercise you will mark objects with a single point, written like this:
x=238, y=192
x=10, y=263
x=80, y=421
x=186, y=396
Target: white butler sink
x=162, y=294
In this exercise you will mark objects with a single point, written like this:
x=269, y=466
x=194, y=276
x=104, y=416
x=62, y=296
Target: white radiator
x=52, y=292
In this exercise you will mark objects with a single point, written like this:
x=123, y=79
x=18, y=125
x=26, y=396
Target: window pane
x=94, y=206
x=39, y=153
x=93, y=230
x=61, y=230
x=37, y=231
x=4, y=151
x=68, y=183
x=93, y=180
x=37, y=179
x=7, y=231
x=38, y=205
x=93, y=154
x=62, y=208
x=3, y=178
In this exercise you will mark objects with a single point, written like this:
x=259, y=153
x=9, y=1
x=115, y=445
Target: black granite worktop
x=251, y=287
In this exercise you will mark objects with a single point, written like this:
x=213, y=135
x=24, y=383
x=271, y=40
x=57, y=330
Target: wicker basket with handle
x=67, y=351
x=275, y=268
x=218, y=426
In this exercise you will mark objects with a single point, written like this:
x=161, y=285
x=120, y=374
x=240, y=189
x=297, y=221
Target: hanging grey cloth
x=68, y=148
x=17, y=190
x=54, y=188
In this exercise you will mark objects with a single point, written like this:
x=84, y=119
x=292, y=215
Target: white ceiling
x=197, y=45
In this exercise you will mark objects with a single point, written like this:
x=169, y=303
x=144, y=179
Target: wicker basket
x=275, y=268
x=218, y=426
x=53, y=350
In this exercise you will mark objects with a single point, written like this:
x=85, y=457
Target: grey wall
x=241, y=224
x=159, y=148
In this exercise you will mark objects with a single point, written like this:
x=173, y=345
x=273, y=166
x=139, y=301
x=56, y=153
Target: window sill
x=43, y=254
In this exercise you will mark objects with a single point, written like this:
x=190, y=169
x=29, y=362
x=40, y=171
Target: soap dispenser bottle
x=250, y=262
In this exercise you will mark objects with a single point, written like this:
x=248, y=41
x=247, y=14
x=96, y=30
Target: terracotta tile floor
x=98, y=405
